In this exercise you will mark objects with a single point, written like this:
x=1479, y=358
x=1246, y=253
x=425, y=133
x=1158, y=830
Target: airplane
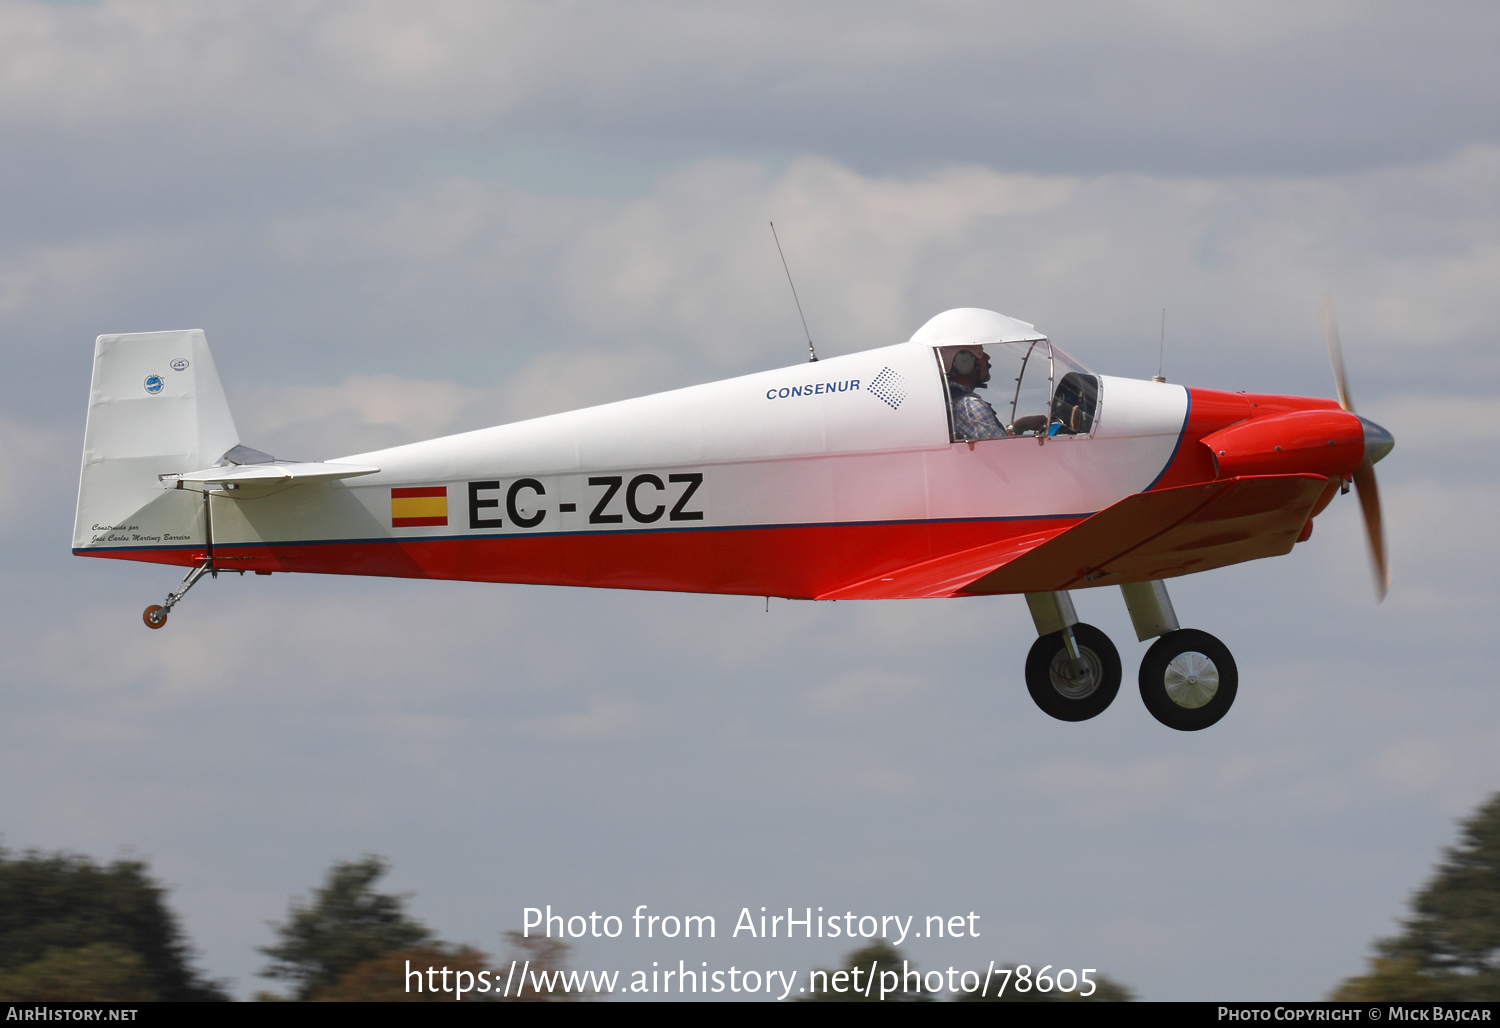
x=883, y=474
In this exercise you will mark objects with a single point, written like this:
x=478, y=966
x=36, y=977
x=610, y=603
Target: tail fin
x=155, y=408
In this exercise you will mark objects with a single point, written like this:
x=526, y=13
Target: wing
x=1146, y=536
x=946, y=575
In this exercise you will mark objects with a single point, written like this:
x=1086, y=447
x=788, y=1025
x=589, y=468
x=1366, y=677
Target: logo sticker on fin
x=180, y=364
x=154, y=384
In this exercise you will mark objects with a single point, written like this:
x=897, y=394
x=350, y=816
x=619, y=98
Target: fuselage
x=795, y=482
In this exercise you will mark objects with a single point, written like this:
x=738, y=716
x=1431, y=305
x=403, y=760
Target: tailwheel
x=156, y=615
x=1188, y=680
x=1068, y=689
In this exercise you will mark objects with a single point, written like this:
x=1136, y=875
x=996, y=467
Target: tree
x=383, y=979
x=879, y=955
x=1449, y=949
x=544, y=959
x=106, y=929
x=346, y=924
x=1106, y=990
x=883, y=957
x=96, y=972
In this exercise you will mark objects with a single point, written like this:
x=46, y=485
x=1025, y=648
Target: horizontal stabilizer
x=252, y=480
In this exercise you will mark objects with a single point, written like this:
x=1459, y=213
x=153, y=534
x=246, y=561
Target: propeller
x=1378, y=443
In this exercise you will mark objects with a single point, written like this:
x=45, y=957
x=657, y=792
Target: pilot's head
x=970, y=366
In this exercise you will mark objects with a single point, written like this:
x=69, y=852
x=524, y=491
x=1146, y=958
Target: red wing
x=1151, y=535
x=945, y=575
x=1166, y=533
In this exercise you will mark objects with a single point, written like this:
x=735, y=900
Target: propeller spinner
x=1378, y=443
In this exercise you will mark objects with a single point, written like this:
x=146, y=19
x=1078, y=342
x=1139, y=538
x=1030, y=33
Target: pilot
x=973, y=417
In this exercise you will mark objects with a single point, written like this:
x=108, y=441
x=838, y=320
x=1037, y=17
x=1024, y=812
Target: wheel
x=1188, y=680
x=154, y=616
x=1068, y=694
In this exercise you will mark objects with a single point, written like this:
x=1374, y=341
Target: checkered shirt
x=973, y=417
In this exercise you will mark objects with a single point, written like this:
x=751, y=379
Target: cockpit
x=1006, y=380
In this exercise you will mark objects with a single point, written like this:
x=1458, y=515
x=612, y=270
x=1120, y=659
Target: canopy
x=970, y=325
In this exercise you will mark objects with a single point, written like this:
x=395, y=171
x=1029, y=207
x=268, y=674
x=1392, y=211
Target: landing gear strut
x=155, y=616
x=1073, y=670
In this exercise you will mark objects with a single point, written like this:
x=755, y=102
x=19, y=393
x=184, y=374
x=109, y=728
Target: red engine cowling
x=1319, y=442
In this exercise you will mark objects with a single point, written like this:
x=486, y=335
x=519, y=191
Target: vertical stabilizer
x=155, y=408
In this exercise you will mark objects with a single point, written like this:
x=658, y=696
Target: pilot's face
x=982, y=369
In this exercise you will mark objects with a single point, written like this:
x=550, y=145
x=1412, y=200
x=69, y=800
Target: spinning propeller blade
x=1335, y=351
x=1369, y=503
x=1378, y=443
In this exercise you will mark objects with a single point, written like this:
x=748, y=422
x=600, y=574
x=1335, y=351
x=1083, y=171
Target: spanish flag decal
x=418, y=508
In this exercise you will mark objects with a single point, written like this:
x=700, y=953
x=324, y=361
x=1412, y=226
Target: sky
x=396, y=221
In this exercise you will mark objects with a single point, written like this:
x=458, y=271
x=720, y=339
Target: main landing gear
x=1188, y=678
x=1073, y=673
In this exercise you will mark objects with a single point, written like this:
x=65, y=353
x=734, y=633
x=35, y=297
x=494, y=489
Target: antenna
x=812, y=355
x=1162, y=350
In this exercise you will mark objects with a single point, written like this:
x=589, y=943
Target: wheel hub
x=1076, y=680
x=1191, y=680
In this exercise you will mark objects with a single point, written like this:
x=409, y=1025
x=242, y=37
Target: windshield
x=1007, y=389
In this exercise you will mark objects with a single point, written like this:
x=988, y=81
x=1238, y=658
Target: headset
x=964, y=363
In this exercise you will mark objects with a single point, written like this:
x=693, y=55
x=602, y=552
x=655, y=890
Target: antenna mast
x=812, y=355
x=1162, y=350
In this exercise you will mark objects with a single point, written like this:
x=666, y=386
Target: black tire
x=1063, y=697
x=1178, y=695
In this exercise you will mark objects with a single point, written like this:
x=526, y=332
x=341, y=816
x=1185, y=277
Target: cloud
x=1440, y=540
x=46, y=274
x=602, y=720
x=1080, y=85
x=558, y=301
x=1095, y=790
x=1415, y=764
x=364, y=412
x=34, y=462
x=856, y=695
x=1440, y=425
x=371, y=412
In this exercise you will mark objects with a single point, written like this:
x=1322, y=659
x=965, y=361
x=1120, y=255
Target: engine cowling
x=1319, y=442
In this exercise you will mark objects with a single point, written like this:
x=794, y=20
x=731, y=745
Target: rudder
x=155, y=408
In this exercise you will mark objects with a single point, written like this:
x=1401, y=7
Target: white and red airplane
x=877, y=475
